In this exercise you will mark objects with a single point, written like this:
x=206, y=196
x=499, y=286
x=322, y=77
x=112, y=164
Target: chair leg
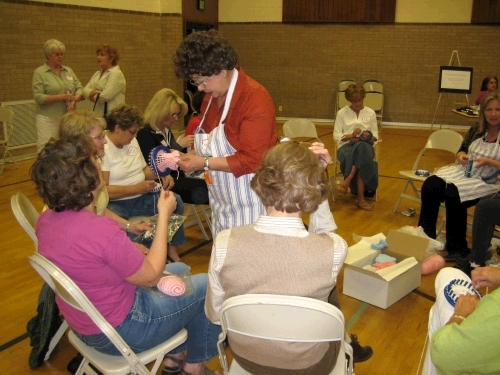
x=55, y=339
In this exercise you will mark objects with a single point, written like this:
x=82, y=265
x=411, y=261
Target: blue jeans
x=145, y=205
x=153, y=319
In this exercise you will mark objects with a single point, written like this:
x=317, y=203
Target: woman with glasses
x=356, y=158
x=132, y=186
x=162, y=113
x=84, y=122
x=238, y=126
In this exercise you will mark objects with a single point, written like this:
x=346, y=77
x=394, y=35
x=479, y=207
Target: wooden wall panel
x=210, y=15
x=339, y=11
x=486, y=12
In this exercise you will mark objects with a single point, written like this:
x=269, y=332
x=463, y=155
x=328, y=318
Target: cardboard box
x=389, y=285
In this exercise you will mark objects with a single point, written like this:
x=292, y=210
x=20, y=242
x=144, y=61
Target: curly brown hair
x=204, y=53
x=65, y=173
x=354, y=90
x=125, y=116
x=290, y=179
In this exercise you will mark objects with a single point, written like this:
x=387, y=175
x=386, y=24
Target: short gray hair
x=53, y=45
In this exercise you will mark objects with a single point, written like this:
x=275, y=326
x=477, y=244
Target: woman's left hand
x=168, y=182
x=481, y=162
x=319, y=149
x=191, y=163
x=186, y=141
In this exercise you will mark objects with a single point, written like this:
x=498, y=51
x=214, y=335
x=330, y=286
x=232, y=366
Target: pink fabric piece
x=172, y=285
x=167, y=160
x=381, y=265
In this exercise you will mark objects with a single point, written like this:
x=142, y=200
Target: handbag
x=105, y=114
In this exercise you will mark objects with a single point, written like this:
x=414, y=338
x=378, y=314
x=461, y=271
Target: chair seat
x=111, y=364
x=413, y=176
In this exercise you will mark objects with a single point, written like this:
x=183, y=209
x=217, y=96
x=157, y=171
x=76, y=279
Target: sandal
x=177, y=370
x=205, y=371
x=364, y=205
x=341, y=188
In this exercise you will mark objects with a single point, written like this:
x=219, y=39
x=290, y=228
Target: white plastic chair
x=304, y=128
x=6, y=115
x=129, y=362
x=444, y=139
x=283, y=318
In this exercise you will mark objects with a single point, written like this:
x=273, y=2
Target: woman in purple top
x=117, y=278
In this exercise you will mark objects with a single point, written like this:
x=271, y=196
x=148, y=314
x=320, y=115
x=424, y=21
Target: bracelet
x=459, y=317
x=127, y=228
x=206, y=166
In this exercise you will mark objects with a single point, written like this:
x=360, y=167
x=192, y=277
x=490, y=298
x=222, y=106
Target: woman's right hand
x=462, y=158
x=356, y=132
x=66, y=97
x=167, y=203
x=145, y=186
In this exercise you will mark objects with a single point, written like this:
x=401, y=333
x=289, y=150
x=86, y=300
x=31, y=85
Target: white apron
x=474, y=187
x=232, y=201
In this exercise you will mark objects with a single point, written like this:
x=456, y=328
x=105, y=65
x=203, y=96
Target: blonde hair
x=163, y=105
x=80, y=122
x=483, y=125
x=290, y=179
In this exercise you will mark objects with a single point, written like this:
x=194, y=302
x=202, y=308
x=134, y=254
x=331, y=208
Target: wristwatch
x=206, y=166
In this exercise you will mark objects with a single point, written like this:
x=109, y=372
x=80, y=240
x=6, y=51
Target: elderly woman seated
x=356, y=123
x=116, y=276
x=277, y=255
x=130, y=182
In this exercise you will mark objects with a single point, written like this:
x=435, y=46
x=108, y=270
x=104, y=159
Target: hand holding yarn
x=172, y=285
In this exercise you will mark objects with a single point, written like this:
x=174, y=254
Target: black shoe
x=463, y=265
x=452, y=257
x=359, y=353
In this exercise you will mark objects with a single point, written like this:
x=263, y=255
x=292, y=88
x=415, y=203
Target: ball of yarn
x=172, y=285
x=433, y=264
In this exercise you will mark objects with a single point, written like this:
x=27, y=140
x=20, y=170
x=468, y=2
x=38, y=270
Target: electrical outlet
x=280, y=108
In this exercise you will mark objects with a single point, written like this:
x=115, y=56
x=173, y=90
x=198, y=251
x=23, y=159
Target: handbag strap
x=105, y=105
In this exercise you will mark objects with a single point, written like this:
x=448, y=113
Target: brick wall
x=301, y=64
x=146, y=42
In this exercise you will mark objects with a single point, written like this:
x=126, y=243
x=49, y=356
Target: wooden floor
x=396, y=334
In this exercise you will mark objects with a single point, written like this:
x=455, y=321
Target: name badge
x=69, y=78
x=366, y=118
x=132, y=151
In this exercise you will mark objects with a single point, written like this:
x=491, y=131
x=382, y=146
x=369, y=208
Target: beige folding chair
x=304, y=128
x=27, y=215
x=192, y=213
x=444, y=139
x=372, y=84
x=283, y=318
x=374, y=99
x=6, y=115
x=128, y=362
x=341, y=100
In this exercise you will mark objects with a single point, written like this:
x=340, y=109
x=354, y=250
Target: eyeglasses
x=100, y=136
x=176, y=115
x=198, y=84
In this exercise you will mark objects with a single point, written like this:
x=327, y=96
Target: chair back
x=283, y=318
x=70, y=293
x=300, y=127
x=25, y=213
x=374, y=100
x=445, y=139
x=373, y=85
x=6, y=115
x=344, y=83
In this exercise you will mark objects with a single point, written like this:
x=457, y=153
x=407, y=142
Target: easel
x=454, y=53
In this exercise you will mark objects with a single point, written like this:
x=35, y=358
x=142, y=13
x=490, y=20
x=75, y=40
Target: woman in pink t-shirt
x=117, y=278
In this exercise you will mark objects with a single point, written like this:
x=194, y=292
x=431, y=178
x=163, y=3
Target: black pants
x=486, y=216
x=434, y=192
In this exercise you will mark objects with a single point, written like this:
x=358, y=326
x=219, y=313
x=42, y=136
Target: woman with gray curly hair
x=277, y=255
x=56, y=89
x=237, y=128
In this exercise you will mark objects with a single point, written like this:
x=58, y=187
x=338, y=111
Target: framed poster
x=201, y=4
x=455, y=79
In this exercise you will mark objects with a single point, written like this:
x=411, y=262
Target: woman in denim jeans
x=116, y=277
